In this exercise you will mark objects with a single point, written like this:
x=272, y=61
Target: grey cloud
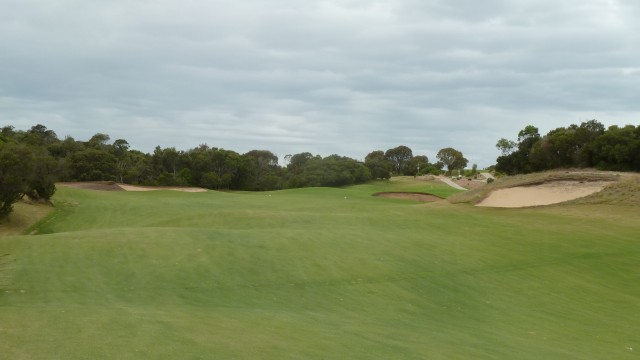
x=343, y=77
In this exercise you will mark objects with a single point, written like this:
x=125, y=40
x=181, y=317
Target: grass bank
x=25, y=215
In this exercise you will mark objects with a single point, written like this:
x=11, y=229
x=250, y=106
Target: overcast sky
x=335, y=76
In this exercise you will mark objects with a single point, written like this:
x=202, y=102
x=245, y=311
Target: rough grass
x=24, y=216
x=319, y=274
x=626, y=191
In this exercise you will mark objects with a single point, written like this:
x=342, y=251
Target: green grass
x=319, y=274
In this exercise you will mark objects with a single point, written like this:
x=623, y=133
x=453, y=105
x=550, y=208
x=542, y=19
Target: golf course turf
x=320, y=273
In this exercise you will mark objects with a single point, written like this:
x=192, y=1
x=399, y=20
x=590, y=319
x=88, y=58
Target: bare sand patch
x=542, y=194
x=93, y=185
x=415, y=196
x=155, y=188
x=108, y=186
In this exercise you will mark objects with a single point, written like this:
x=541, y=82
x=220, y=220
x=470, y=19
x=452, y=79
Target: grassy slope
x=311, y=274
x=24, y=216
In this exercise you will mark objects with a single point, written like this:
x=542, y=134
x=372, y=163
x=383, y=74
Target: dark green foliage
x=43, y=175
x=215, y=168
x=587, y=145
x=333, y=170
x=378, y=165
x=39, y=135
x=263, y=171
x=399, y=157
x=416, y=164
x=14, y=174
x=93, y=165
x=24, y=170
x=617, y=149
x=432, y=169
x=99, y=159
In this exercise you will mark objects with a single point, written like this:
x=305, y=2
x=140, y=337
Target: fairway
x=320, y=273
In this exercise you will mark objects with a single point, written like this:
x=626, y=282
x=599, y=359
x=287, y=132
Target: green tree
x=7, y=133
x=505, y=146
x=264, y=173
x=586, y=134
x=120, y=150
x=214, y=168
x=39, y=135
x=617, y=149
x=297, y=162
x=92, y=165
x=556, y=149
x=140, y=170
x=416, y=165
x=167, y=166
x=519, y=161
x=43, y=175
x=528, y=133
x=452, y=159
x=15, y=169
x=378, y=165
x=399, y=158
x=99, y=140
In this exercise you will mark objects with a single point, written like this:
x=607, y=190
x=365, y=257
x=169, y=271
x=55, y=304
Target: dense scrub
x=99, y=159
x=585, y=145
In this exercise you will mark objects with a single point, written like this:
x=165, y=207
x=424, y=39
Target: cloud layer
x=345, y=77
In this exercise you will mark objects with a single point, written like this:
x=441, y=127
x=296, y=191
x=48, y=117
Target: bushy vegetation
x=99, y=159
x=33, y=160
x=585, y=145
x=26, y=168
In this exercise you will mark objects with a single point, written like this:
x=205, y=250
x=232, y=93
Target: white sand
x=545, y=194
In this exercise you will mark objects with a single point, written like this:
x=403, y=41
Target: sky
x=328, y=77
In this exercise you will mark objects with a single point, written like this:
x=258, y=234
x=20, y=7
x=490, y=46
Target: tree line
x=586, y=145
x=32, y=161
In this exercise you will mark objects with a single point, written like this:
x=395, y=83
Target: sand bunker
x=108, y=186
x=101, y=186
x=155, y=188
x=543, y=194
x=422, y=197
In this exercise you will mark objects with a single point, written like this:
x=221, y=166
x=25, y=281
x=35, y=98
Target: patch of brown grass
x=623, y=192
x=93, y=185
x=24, y=215
x=414, y=196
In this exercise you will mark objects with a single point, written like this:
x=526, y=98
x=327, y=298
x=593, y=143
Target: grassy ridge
x=319, y=273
